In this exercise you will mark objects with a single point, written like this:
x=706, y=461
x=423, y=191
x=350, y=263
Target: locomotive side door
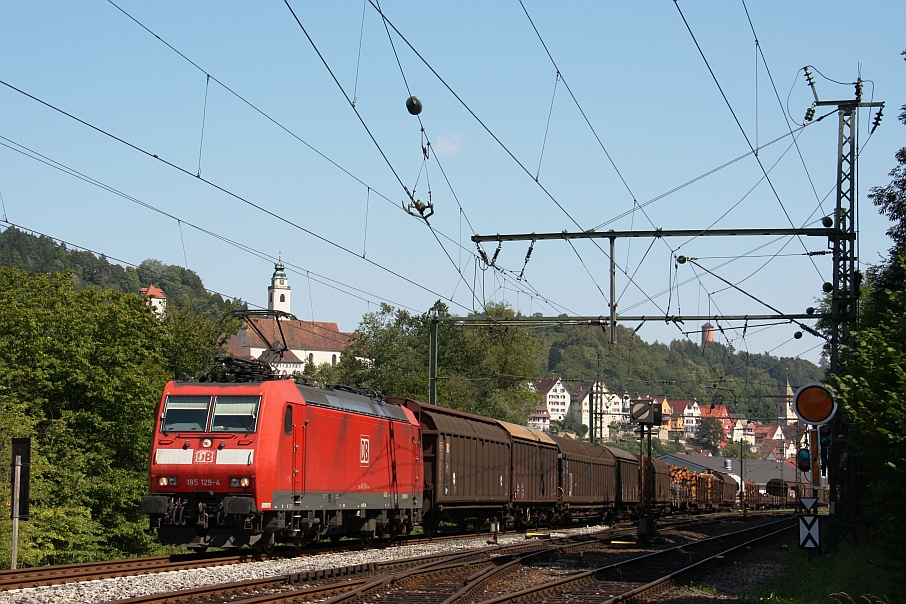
x=299, y=424
x=291, y=443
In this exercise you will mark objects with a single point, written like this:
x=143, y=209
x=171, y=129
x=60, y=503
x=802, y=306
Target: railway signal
x=804, y=460
x=825, y=439
x=814, y=404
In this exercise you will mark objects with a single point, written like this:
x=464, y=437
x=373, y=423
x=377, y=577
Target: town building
x=691, y=415
x=556, y=397
x=540, y=419
x=720, y=414
x=308, y=343
x=608, y=409
x=155, y=298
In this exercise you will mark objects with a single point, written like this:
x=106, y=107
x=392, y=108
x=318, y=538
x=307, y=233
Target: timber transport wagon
x=466, y=465
x=588, y=479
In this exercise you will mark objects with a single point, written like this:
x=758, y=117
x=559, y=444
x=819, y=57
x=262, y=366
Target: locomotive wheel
x=266, y=545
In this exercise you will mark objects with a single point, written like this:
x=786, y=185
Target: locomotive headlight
x=245, y=482
x=206, y=443
x=240, y=482
x=162, y=481
x=167, y=481
x=234, y=482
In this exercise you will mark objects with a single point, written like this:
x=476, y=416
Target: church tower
x=279, y=290
x=784, y=402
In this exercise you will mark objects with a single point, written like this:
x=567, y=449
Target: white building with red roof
x=556, y=397
x=154, y=297
x=308, y=343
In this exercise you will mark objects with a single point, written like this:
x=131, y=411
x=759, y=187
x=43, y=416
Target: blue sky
x=633, y=67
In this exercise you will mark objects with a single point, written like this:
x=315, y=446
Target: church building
x=310, y=343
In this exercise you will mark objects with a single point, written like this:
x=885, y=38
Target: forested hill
x=33, y=254
x=745, y=382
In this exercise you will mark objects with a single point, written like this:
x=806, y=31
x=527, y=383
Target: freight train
x=275, y=461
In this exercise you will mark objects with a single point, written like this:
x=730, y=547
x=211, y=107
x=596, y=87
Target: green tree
x=710, y=433
x=80, y=373
x=871, y=383
x=485, y=370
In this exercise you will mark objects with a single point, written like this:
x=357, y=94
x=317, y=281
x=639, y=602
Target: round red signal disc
x=814, y=404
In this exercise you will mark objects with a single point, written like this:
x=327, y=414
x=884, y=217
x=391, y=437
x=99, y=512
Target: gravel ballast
x=120, y=588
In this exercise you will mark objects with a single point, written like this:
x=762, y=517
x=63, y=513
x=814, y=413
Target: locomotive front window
x=235, y=413
x=185, y=414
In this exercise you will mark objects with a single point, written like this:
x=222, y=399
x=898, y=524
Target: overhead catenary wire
x=739, y=125
x=234, y=195
x=502, y=145
x=274, y=121
x=9, y=144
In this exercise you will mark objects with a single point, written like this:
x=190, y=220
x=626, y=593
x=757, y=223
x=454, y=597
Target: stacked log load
x=682, y=487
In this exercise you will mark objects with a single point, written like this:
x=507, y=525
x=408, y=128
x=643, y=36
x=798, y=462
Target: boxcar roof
x=621, y=454
x=583, y=451
x=451, y=421
x=517, y=431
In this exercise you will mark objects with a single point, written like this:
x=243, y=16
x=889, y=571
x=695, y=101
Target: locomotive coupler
x=202, y=516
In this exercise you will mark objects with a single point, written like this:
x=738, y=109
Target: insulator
x=808, y=77
x=877, y=121
x=809, y=115
x=859, y=89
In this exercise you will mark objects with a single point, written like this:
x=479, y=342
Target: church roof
x=300, y=335
x=279, y=273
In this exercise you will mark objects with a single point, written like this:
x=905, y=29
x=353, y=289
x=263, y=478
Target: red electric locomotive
x=256, y=463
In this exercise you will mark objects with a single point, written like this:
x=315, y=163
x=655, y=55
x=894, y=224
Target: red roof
x=300, y=335
x=152, y=292
x=544, y=385
x=677, y=407
x=715, y=411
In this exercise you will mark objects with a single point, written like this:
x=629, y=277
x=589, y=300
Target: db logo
x=204, y=456
x=364, y=450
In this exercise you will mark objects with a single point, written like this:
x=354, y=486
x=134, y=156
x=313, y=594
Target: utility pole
x=843, y=473
x=432, y=358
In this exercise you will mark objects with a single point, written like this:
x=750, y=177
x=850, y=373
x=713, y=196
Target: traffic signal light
x=825, y=439
x=804, y=460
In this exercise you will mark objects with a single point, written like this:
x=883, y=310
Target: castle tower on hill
x=707, y=334
x=279, y=290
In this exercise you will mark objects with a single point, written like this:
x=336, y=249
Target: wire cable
x=259, y=254
x=741, y=129
x=235, y=196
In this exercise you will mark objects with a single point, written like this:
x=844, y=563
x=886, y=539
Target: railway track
x=88, y=571
x=429, y=578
